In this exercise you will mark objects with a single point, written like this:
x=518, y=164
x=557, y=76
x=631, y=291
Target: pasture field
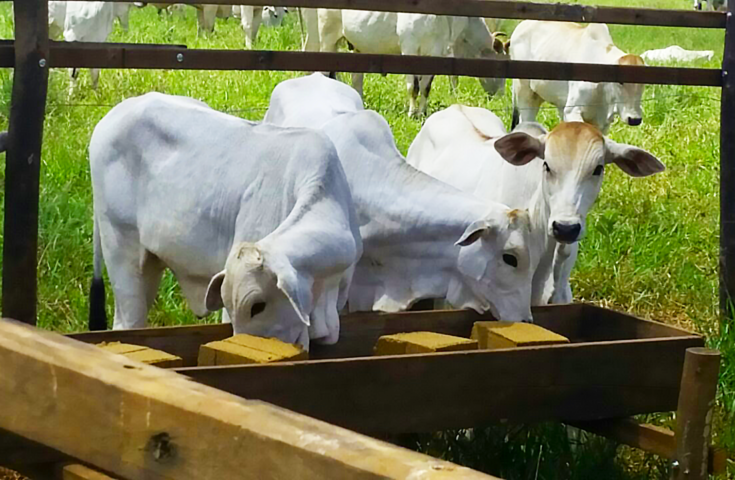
x=651, y=247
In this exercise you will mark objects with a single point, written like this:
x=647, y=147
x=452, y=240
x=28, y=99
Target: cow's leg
x=251, y=18
x=135, y=284
x=310, y=24
x=206, y=16
x=412, y=87
x=565, y=257
x=357, y=82
x=526, y=102
x=424, y=90
x=95, y=74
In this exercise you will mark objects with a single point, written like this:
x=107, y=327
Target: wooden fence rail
x=504, y=9
x=99, y=55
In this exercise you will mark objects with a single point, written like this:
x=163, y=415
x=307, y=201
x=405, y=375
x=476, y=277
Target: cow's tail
x=97, y=315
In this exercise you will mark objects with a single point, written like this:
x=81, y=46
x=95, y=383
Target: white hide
x=262, y=212
x=594, y=103
x=558, y=186
x=413, y=225
x=251, y=18
x=711, y=4
x=410, y=34
x=675, y=53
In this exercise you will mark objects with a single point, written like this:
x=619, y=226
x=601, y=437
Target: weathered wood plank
x=360, y=331
x=461, y=389
x=137, y=421
x=506, y=9
x=23, y=160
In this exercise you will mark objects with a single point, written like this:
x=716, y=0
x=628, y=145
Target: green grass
x=652, y=246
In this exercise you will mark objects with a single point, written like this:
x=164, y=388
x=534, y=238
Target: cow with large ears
x=557, y=175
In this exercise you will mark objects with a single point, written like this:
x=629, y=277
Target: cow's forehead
x=574, y=143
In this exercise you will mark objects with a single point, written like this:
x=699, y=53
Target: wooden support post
x=694, y=413
x=727, y=171
x=23, y=160
x=137, y=421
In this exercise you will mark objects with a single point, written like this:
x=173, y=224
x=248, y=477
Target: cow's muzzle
x=566, y=233
x=634, y=122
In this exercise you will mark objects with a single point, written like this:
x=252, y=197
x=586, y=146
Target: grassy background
x=652, y=245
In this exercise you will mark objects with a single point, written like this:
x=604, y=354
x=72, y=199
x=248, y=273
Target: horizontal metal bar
x=504, y=9
x=101, y=55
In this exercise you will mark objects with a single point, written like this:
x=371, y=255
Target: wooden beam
x=137, y=421
x=23, y=160
x=727, y=173
x=694, y=413
x=506, y=9
x=81, y=55
x=420, y=393
x=650, y=438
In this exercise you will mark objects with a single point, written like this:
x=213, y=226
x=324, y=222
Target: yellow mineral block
x=421, y=342
x=244, y=349
x=513, y=334
x=143, y=354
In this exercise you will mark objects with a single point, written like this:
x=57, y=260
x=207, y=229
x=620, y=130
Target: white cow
x=594, y=103
x=556, y=176
x=422, y=238
x=255, y=218
x=85, y=22
x=675, y=53
x=252, y=17
x=410, y=34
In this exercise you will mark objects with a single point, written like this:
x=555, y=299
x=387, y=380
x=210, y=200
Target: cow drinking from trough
x=422, y=238
x=556, y=175
x=257, y=219
x=594, y=103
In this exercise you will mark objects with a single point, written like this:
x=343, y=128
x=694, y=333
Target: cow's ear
x=519, y=148
x=295, y=284
x=473, y=233
x=213, y=298
x=634, y=161
x=497, y=45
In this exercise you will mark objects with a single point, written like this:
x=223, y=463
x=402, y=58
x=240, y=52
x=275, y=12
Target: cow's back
x=560, y=42
x=185, y=176
x=310, y=101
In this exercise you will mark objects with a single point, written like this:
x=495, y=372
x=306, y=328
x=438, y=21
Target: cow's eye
x=257, y=308
x=510, y=260
x=546, y=167
x=598, y=170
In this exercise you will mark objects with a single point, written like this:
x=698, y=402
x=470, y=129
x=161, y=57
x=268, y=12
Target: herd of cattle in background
x=287, y=222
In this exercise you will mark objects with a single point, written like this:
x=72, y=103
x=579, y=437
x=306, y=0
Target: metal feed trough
x=65, y=404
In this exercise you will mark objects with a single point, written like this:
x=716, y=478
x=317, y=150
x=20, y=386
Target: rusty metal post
x=727, y=170
x=694, y=413
x=23, y=160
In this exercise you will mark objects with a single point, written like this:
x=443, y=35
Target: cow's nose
x=528, y=320
x=634, y=122
x=566, y=233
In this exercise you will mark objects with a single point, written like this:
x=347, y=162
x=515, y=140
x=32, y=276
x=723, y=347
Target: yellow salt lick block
x=513, y=334
x=139, y=353
x=421, y=342
x=244, y=349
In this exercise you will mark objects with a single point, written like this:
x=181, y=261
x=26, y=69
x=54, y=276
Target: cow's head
x=476, y=41
x=263, y=293
x=574, y=156
x=497, y=261
x=627, y=96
